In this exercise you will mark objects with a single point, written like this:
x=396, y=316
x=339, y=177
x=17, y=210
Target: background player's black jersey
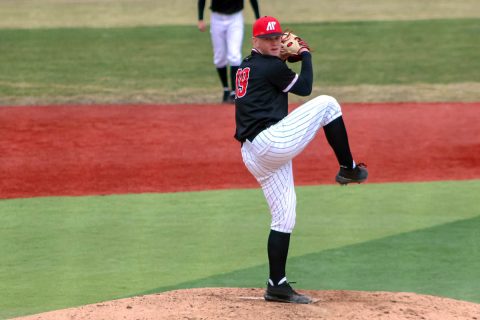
x=226, y=7
x=263, y=82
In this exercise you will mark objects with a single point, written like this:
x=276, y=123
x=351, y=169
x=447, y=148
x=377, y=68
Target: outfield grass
x=67, y=251
x=118, y=13
x=143, y=65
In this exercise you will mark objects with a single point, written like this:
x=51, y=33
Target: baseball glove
x=291, y=46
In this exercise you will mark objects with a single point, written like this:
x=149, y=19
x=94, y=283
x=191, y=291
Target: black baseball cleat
x=231, y=97
x=285, y=293
x=226, y=96
x=356, y=175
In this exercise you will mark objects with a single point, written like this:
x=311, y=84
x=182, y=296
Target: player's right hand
x=202, y=26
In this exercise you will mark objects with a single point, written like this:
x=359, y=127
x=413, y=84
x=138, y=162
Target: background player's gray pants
x=269, y=156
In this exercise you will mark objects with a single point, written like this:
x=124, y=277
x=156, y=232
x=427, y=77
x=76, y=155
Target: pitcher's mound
x=241, y=303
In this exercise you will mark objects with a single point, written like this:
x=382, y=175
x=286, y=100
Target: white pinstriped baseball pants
x=269, y=156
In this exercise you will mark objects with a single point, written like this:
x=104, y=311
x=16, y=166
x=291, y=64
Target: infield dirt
x=91, y=150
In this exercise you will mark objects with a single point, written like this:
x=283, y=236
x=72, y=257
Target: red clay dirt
x=91, y=150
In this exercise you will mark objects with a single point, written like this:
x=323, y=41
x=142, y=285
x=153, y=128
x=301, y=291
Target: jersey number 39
x=242, y=81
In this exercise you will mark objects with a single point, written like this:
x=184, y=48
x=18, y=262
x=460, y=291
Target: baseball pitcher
x=270, y=137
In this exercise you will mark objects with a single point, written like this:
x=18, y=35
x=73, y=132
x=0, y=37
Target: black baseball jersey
x=263, y=83
x=226, y=7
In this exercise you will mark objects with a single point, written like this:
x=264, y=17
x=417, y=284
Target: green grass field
x=60, y=252
x=173, y=63
x=69, y=251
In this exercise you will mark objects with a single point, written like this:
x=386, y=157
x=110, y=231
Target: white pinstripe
x=269, y=156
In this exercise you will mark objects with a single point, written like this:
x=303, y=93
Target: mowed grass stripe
x=142, y=64
x=79, y=250
x=441, y=260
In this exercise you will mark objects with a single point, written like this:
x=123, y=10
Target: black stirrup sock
x=278, y=243
x=337, y=137
x=222, y=73
x=233, y=76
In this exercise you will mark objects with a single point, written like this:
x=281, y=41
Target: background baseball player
x=226, y=29
x=271, y=137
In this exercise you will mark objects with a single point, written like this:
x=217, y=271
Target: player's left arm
x=254, y=4
x=286, y=80
x=304, y=83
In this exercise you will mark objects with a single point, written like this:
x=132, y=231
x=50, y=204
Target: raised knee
x=330, y=101
x=327, y=99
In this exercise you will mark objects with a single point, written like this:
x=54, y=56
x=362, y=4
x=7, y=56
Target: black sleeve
x=303, y=86
x=201, y=8
x=254, y=4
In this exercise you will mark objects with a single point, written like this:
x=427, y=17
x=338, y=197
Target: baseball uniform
x=271, y=137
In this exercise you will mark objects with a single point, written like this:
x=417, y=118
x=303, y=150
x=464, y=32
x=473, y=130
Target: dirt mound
x=237, y=303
